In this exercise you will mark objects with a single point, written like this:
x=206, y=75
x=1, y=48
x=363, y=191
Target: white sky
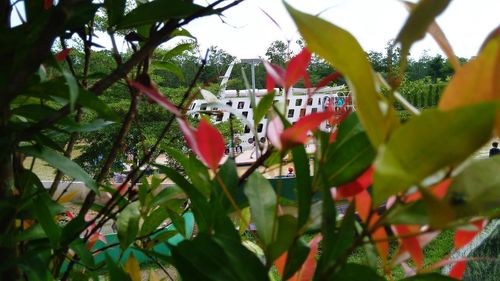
x=248, y=31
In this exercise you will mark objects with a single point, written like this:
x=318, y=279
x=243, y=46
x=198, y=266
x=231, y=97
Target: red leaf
x=275, y=73
x=189, y=134
x=156, y=96
x=464, y=237
x=121, y=189
x=297, y=67
x=210, y=145
x=297, y=134
x=458, y=270
x=323, y=82
x=306, y=272
x=61, y=56
x=382, y=243
x=439, y=191
x=410, y=244
x=269, y=83
x=47, y=4
x=363, y=204
x=280, y=263
x=358, y=185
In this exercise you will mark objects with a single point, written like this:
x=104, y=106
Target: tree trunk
x=8, y=250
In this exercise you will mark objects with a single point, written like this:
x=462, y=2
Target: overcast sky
x=247, y=31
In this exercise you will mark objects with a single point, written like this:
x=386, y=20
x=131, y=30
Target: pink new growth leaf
x=206, y=142
x=358, y=185
x=297, y=68
x=297, y=134
x=210, y=144
x=410, y=244
x=458, y=270
x=155, y=96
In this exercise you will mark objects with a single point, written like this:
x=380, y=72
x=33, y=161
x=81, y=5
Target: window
x=298, y=102
x=229, y=103
x=247, y=129
x=260, y=127
x=314, y=109
x=245, y=113
x=319, y=101
x=310, y=101
x=302, y=112
x=287, y=102
x=219, y=116
x=215, y=108
x=203, y=106
x=241, y=104
x=263, y=140
x=250, y=140
x=290, y=113
x=275, y=101
x=193, y=105
x=196, y=116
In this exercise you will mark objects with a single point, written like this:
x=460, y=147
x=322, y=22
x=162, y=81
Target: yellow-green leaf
x=343, y=51
x=67, y=197
x=132, y=268
x=437, y=33
x=421, y=17
x=428, y=143
x=476, y=81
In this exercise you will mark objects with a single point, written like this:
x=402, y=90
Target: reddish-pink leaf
x=306, y=272
x=363, y=204
x=274, y=130
x=358, y=185
x=47, y=4
x=121, y=188
x=297, y=67
x=61, y=56
x=155, y=95
x=189, y=134
x=297, y=134
x=210, y=145
x=464, y=237
x=275, y=73
x=323, y=82
x=458, y=270
x=280, y=263
x=410, y=244
x=270, y=83
x=439, y=191
x=380, y=236
x=69, y=215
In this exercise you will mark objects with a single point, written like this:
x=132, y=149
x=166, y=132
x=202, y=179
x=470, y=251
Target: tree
x=279, y=52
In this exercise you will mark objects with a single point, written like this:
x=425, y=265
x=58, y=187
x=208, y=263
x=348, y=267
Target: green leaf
x=46, y=220
x=262, y=108
x=344, y=53
x=115, y=10
x=178, y=50
x=116, y=273
x=127, y=224
x=170, y=67
x=356, y=272
x=178, y=222
x=62, y=163
x=428, y=143
x=94, y=125
x=83, y=252
x=133, y=268
x=213, y=258
x=430, y=277
x=287, y=228
x=415, y=27
x=262, y=201
x=157, y=11
x=153, y=220
x=475, y=191
x=72, y=87
x=348, y=159
x=303, y=184
x=167, y=194
x=297, y=254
